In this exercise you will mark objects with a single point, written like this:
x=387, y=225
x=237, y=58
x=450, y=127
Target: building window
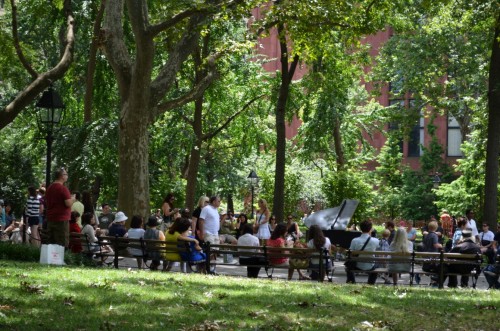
x=454, y=137
x=395, y=126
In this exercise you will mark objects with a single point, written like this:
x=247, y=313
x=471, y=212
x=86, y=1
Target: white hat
x=120, y=217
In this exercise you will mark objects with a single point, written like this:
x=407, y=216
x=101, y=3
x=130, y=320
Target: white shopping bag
x=52, y=254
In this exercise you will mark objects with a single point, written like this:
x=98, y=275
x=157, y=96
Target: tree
x=38, y=81
x=146, y=57
x=300, y=27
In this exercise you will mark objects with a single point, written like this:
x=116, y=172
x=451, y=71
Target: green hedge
x=18, y=252
x=28, y=253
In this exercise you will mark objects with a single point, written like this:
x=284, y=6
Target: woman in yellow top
x=179, y=231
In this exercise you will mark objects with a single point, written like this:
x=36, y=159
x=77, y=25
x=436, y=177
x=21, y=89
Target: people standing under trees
x=202, y=202
x=272, y=223
x=168, y=211
x=471, y=223
x=209, y=224
x=43, y=217
x=262, y=222
x=33, y=210
x=59, y=202
x=88, y=203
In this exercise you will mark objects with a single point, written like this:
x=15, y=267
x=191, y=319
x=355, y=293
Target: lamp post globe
x=254, y=179
x=49, y=116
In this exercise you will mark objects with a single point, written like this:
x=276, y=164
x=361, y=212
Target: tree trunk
x=493, y=143
x=337, y=140
x=133, y=146
x=286, y=79
x=194, y=161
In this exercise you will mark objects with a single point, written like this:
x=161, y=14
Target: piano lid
x=333, y=218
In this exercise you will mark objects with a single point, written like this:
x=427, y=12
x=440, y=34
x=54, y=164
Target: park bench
x=416, y=261
x=231, y=254
x=121, y=245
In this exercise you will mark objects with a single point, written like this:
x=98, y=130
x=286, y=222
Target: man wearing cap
x=467, y=246
x=117, y=228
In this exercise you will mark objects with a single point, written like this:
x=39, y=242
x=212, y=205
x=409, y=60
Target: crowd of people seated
x=208, y=223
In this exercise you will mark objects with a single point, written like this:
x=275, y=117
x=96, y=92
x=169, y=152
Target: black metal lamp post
x=49, y=117
x=254, y=179
x=436, y=180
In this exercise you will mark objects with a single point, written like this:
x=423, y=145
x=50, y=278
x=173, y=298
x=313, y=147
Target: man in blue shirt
x=370, y=245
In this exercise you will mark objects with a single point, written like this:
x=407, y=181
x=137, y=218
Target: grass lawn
x=37, y=297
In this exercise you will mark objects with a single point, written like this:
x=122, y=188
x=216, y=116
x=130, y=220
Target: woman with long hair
x=277, y=239
x=241, y=223
x=168, y=211
x=262, y=225
x=400, y=244
x=318, y=241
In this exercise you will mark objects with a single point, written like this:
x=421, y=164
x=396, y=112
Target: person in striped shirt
x=33, y=212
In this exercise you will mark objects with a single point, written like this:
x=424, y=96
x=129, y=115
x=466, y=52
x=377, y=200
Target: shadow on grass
x=92, y=299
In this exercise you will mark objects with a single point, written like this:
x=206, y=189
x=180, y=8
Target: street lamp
x=436, y=180
x=49, y=116
x=254, y=179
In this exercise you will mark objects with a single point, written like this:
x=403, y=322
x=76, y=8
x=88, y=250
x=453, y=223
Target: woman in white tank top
x=262, y=221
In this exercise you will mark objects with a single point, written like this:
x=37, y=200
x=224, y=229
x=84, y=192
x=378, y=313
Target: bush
x=9, y=251
x=28, y=253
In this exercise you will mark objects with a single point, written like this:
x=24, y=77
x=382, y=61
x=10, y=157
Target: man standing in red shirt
x=59, y=201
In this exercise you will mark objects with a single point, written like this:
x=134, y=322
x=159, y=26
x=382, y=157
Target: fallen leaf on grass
x=256, y=314
x=482, y=307
x=206, y=326
x=68, y=301
x=35, y=289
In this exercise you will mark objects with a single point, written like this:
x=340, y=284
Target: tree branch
x=42, y=82
x=91, y=65
x=231, y=118
x=154, y=30
x=114, y=44
x=17, y=45
x=192, y=95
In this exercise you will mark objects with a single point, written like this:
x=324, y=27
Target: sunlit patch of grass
x=38, y=297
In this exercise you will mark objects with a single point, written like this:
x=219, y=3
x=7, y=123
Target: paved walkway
x=339, y=275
